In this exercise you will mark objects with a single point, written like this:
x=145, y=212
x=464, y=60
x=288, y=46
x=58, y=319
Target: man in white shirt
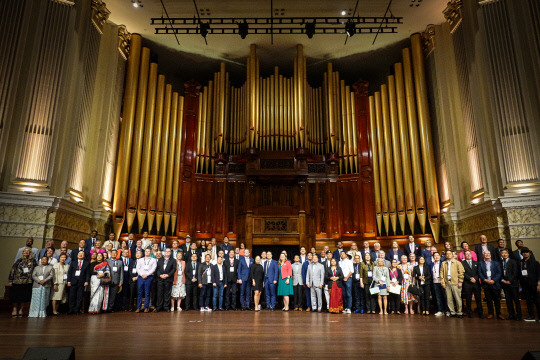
x=146, y=242
x=348, y=270
x=437, y=289
x=111, y=240
x=303, y=257
x=145, y=269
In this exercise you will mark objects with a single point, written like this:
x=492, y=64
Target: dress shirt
x=220, y=268
x=488, y=269
x=149, y=263
x=347, y=267
x=436, y=272
x=412, y=247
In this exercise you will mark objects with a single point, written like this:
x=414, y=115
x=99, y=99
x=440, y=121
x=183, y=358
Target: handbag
x=395, y=289
x=106, y=280
x=374, y=290
x=415, y=290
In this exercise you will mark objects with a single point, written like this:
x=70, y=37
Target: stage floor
x=229, y=335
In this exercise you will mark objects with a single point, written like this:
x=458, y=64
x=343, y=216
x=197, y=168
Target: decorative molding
x=453, y=14
x=124, y=37
x=100, y=14
x=428, y=39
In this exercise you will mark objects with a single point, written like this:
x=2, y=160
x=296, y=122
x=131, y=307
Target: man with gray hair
x=382, y=256
x=315, y=282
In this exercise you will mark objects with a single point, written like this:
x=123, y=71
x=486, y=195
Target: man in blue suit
x=489, y=272
x=304, y=275
x=395, y=253
x=270, y=280
x=426, y=253
x=337, y=254
x=244, y=268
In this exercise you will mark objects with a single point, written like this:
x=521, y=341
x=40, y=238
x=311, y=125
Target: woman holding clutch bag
x=381, y=277
x=366, y=278
x=396, y=280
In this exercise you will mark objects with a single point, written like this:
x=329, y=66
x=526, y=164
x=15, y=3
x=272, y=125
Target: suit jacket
x=337, y=254
x=47, y=272
x=427, y=255
x=88, y=245
x=390, y=255
x=371, y=252
x=516, y=255
x=129, y=274
x=186, y=247
x=190, y=269
x=132, y=247
x=226, y=248
x=417, y=250
x=202, y=273
x=232, y=276
x=305, y=266
x=510, y=271
x=315, y=275
x=457, y=273
x=215, y=273
x=533, y=273
x=471, y=272
x=496, y=274
x=84, y=275
x=244, y=268
x=163, y=246
x=329, y=274
x=117, y=277
x=271, y=271
x=170, y=269
x=76, y=251
x=427, y=273
x=478, y=250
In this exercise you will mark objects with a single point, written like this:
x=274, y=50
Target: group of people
x=149, y=275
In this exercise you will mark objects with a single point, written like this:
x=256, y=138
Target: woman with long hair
x=396, y=280
x=422, y=276
x=285, y=285
x=366, y=278
x=334, y=280
x=99, y=289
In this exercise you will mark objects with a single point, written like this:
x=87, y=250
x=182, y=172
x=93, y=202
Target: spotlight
x=136, y=3
x=204, y=27
x=243, y=29
x=310, y=29
x=350, y=28
x=343, y=13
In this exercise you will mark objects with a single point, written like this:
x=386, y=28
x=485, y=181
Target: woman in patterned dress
x=407, y=298
x=20, y=280
x=99, y=292
x=179, y=283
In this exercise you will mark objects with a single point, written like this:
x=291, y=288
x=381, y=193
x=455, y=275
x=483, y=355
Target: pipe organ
x=276, y=160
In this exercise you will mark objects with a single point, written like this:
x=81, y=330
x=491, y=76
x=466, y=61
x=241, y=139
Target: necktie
x=266, y=268
x=80, y=264
x=125, y=261
x=470, y=264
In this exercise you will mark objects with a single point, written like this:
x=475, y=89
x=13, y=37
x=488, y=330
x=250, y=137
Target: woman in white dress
x=58, y=292
x=179, y=283
x=99, y=289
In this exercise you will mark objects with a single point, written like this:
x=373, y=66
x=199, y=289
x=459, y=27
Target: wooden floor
x=229, y=335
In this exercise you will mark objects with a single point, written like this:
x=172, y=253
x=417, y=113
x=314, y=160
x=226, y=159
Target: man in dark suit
x=395, y=253
x=204, y=277
x=163, y=244
x=307, y=290
x=510, y=285
x=166, y=267
x=337, y=254
x=219, y=283
x=192, y=285
x=479, y=249
x=187, y=245
x=489, y=272
x=138, y=248
x=530, y=282
x=78, y=278
x=411, y=247
x=117, y=279
x=501, y=246
x=226, y=247
x=132, y=245
x=471, y=285
x=244, y=268
x=270, y=280
x=516, y=255
x=91, y=241
x=231, y=268
x=366, y=249
x=75, y=252
x=326, y=297
x=124, y=295
x=426, y=252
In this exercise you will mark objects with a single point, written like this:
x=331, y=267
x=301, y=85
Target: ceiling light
x=350, y=28
x=343, y=13
x=136, y=3
x=310, y=29
x=243, y=29
x=203, y=28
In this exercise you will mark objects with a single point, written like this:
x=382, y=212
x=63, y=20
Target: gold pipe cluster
x=146, y=185
x=403, y=157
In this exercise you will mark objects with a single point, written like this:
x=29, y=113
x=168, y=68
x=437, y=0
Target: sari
x=99, y=293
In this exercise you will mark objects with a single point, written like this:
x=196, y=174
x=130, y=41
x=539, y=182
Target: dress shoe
x=146, y=310
x=500, y=317
x=137, y=311
x=460, y=316
x=530, y=318
x=308, y=309
x=490, y=316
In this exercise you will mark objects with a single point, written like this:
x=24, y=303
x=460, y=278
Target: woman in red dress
x=334, y=278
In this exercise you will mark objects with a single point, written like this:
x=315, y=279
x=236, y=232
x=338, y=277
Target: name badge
x=193, y=273
x=133, y=271
x=370, y=274
x=395, y=257
x=65, y=277
x=77, y=272
x=26, y=270
x=406, y=276
x=40, y=277
x=146, y=268
x=226, y=252
x=115, y=268
x=394, y=280
x=422, y=283
x=231, y=269
x=524, y=272
x=488, y=273
x=383, y=279
x=357, y=276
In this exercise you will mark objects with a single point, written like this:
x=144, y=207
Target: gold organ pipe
x=203, y=97
x=257, y=103
x=142, y=205
x=126, y=135
x=353, y=133
x=349, y=129
x=214, y=124
x=252, y=94
x=156, y=148
x=289, y=131
x=133, y=190
x=337, y=118
x=296, y=105
x=208, y=125
x=281, y=113
x=382, y=161
x=162, y=177
x=405, y=146
x=301, y=94
x=170, y=162
x=272, y=127
x=396, y=149
x=227, y=110
x=177, y=159
x=264, y=126
x=428, y=157
x=375, y=157
x=344, y=120
x=221, y=115
x=416, y=156
x=389, y=159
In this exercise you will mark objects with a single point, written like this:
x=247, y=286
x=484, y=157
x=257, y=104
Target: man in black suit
x=471, y=285
x=516, y=255
x=411, y=247
x=510, y=285
x=75, y=252
x=231, y=268
x=191, y=282
x=125, y=261
x=530, y=283
x=166, y=267
x=91, y=241
x=501, y=246
x=78, y=278
x=484, y=246
x=138, y=248
x=395, y=253
x=132, y=244
x=226, y=247
x=163, y=244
